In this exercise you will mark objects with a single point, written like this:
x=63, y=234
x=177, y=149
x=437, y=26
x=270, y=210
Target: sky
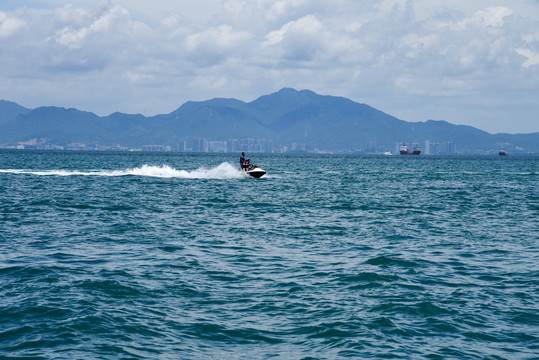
x=467, y=62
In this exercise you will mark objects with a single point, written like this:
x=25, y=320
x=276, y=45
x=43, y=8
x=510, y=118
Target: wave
x=222, y=171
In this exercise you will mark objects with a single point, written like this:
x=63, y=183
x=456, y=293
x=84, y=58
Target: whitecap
x=222, y=171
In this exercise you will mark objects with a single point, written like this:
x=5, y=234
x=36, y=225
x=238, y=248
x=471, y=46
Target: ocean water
x=180, y=256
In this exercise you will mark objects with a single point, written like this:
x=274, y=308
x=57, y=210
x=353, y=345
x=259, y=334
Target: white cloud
x=532, y=57
x=299, y=40
x=281, y=7
x=215, y=45
x=113, y=24
x=172, y=19
x=492, y=16
x=489, y=17
x=222, y=37
x=306, y=26
x=9, y=25
x=68, y=14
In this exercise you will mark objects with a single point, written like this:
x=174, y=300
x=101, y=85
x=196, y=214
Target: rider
x=243, y=162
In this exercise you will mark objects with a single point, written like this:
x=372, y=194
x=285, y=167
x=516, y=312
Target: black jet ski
x=255, y=171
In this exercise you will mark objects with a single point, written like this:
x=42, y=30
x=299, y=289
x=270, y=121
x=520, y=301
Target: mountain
x=301, y=119
x=9, y=111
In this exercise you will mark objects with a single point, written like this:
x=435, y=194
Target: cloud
x=114, y=24
x=492, y=16
x=306, y=26
x=532, y=57
x=299, y=40
x=215, y=43
x=9, y=25
x=281, y=7
x=69, y=14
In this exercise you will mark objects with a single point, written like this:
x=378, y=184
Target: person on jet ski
x=244, y=164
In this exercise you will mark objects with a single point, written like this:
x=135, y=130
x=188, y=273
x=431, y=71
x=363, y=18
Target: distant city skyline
x=251, y=145
x=471, y=63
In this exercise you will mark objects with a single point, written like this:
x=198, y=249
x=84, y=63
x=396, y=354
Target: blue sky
x=466, y=62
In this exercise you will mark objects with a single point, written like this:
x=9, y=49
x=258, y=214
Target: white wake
x=222, y=171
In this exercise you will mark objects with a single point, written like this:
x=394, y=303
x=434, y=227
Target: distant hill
x=10, y=111
x=291, y=118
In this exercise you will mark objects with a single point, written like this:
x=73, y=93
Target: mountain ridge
x=288, y=118
x=10, y=111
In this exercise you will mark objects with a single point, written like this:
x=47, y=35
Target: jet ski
x=255, y=171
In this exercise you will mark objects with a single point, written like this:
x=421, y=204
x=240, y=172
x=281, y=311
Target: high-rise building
x=450, y=148
x=200, y=145
x=397, y=147
x=182, y=145
x=217, y=146
x=434, y=149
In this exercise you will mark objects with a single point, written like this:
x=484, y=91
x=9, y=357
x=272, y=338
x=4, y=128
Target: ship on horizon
x=404, y=150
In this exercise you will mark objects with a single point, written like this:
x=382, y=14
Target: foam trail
x=222, y=171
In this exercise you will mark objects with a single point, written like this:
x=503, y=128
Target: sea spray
x=222, y=171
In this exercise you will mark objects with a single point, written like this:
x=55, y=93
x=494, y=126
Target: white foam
x=222, y=171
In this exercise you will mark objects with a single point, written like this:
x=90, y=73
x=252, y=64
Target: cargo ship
x=502, y=153
x=405, y=151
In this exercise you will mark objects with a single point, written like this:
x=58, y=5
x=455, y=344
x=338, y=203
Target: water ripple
x=149, y=256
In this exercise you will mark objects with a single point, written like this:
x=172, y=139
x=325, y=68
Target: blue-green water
x=174, y=256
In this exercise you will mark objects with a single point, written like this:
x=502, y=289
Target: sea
x=132, y=255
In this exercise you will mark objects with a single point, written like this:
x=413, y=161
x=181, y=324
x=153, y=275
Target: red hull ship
x=405, y=151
